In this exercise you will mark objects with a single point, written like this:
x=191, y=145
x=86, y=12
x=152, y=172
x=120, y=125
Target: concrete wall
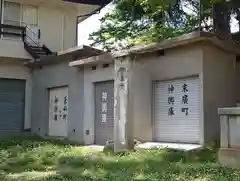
x=238, y=81
x=55, y=76
x=90, y=77
x=219, y=85
x=58, y=27
x=176, y=63
x=13, y=69
x=13, y=49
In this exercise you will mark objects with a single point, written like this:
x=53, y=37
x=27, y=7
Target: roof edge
x=185, y=39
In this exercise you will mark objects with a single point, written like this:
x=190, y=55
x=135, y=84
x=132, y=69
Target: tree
x=135, y=22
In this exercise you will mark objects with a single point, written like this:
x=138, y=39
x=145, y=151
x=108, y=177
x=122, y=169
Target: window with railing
x=11, y=14
x=19, y=22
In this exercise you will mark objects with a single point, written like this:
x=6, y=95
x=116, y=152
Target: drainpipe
x=1, y=10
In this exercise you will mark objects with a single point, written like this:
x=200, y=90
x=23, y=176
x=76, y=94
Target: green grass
x=33, y=159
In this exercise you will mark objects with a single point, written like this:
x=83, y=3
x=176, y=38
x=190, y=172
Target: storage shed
x=176, y=87
x=61, y=95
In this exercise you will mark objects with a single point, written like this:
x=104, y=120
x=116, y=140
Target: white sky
x=90, y=25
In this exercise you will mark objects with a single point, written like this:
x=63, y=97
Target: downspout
x=1, y=11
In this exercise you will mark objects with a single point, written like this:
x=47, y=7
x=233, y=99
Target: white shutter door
x=177, y=111
x=58, y=112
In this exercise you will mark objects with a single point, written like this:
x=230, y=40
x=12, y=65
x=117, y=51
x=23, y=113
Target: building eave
x=68, y=55
x=185, y=39
x=91, y=2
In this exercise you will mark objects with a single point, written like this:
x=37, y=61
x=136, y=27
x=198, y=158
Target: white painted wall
x=220, y=87
x=58, y=27
x=176, y=63
x=15, y=70
x=13, y=49
x=52, y=76
x=90, y=77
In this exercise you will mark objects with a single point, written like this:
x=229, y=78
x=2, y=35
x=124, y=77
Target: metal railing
x=23, y=24
x=12, y=30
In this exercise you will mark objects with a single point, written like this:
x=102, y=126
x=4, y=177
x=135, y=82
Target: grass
x=33, y=159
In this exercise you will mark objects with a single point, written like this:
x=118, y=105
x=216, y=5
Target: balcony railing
x=7, y=30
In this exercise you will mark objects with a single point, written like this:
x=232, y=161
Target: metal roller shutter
x=177, y=111
x=104, y=112
x=58, y=111
x=12, y=99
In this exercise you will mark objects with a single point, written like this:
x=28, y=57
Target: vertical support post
x=23, y=31
x=0, y=30
x=129, y=107
x=123, y=105
x=1, y=12
x=224, y=121
x=1, y=15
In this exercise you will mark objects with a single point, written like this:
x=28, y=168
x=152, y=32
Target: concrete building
x=63, y=96
x=166, y=92
x=33, y=31
x=178, y=85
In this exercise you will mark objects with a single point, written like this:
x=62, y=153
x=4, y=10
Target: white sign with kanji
x=104, y=107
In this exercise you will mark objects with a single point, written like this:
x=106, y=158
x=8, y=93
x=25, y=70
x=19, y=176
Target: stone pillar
x=229, y=153
x=123, y=128
x=224, y=138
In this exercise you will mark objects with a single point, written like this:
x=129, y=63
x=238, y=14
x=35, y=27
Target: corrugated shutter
x=58, y=111
x=12, y=99
x=177, y=111
x=104, y=112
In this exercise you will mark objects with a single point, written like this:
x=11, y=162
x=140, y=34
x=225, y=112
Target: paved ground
x=154, y=145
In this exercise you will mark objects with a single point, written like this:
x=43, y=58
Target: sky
x=90, y=25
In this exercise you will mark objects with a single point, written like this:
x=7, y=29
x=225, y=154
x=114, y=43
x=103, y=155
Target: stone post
x=122, y=105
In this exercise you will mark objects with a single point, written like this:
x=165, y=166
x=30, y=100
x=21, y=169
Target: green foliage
x=33, y=159
x=142, y=21
x=134, y=22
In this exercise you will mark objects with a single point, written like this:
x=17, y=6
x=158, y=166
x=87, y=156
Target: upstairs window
x=11, y=15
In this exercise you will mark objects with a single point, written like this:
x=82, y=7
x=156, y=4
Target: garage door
x=58, y=111
x=177, y=111
x=104, y=111
x=12, y=99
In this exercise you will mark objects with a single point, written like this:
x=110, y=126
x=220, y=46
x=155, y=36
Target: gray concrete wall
x=91, y=77
x=238, y=81
x=219, y=87
x=176, y=63
x=55, y=76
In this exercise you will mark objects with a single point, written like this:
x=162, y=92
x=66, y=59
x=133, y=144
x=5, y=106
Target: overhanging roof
x=68, y=55
x=92, y=2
